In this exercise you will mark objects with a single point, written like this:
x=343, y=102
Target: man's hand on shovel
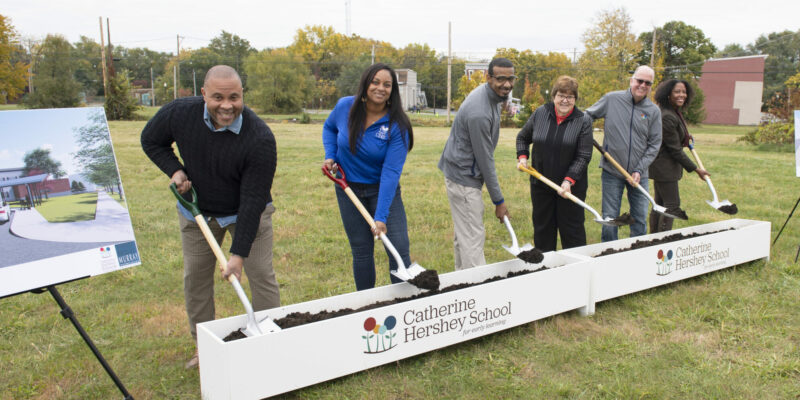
x=234, y=267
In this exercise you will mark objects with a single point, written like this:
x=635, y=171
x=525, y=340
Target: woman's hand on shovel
x=234, y=267
x=330, y=165
x=379, y=228
x=702, y=173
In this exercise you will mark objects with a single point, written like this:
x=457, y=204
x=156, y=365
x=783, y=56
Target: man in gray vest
x=632, y=135
x=468, y=162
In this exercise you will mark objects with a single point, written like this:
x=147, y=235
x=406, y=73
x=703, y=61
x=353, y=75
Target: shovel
x=619, y=221
x=412, y=274
x=724, y=205
x=514, y=248
x=657, y=208
x=253, y=328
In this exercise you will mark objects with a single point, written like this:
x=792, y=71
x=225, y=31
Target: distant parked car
x=5, y=210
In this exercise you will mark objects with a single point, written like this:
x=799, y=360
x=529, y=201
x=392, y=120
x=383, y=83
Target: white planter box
x=635, y=270
x=278, y=362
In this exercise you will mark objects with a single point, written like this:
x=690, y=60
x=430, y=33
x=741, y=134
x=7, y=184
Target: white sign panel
x=62, y=214
x=797, y=142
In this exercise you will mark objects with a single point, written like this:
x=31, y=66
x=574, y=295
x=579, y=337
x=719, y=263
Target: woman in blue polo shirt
x=369, y=135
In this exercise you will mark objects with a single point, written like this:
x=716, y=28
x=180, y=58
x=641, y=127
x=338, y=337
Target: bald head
x=642, y=82
x=222, y=72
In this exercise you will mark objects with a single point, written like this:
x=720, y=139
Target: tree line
x=321, y=65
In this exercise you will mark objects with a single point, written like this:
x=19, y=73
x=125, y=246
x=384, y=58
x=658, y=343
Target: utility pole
x=574, y=55
x=653, y=51
x=347, y=17
x=152, y=89
x=449, y=66
x=111, y=70
x=103, y=55
x=177, y=71
x=373, y=53
x=194, y=82
x=175, y=81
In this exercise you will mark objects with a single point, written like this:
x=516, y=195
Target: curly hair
x=665, y=89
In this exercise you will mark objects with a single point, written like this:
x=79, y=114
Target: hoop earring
x=388, y=102
x=363, y=99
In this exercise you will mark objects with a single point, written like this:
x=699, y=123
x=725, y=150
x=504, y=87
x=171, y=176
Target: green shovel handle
x=191, y=206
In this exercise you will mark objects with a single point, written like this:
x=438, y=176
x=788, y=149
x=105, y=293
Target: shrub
x=771, y=132
x=305, y=118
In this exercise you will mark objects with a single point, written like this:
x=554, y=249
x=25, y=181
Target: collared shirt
x=235, y=127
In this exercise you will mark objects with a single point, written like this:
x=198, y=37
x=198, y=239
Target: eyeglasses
x=643, y=82
x=504, y=79
x=561, y=97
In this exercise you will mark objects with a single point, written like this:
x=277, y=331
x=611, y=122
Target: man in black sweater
x=229, y=157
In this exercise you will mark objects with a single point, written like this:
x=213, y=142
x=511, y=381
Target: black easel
x=784, y=226
x=66, y=312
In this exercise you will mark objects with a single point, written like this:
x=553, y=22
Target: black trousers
x=554, y=214
x=667, y=195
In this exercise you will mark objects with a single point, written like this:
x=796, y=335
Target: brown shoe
x=194, y=361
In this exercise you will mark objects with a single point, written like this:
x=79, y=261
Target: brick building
x=733, y=87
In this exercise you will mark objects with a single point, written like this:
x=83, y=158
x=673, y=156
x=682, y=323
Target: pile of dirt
x=532, y=256
x=427, y=279
x=624, y=219
x=731, y=209
x=640, y=244
x=678, y=212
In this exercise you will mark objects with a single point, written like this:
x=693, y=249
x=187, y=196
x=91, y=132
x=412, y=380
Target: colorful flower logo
x=664, y=262
x=380, y=333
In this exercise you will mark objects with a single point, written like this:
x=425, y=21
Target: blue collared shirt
x=235, y=127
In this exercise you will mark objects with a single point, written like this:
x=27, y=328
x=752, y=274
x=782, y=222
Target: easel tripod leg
x=66, y=312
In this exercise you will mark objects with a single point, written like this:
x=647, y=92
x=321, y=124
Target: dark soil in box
x=302, y=318
x=640, y=244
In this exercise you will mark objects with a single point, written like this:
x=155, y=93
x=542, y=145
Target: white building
x=411, y=94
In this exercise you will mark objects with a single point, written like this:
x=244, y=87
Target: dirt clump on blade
x=624, y=219
x=532, y=256
x=427, y=279
x=729, y=209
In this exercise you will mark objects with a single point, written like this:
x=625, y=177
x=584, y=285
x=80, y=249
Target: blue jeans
x=362, y=243
x=612, y=201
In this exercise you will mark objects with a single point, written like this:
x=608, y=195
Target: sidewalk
x=112, y=223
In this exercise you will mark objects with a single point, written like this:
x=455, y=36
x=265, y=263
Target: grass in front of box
x=70, y=208
x=734, y=333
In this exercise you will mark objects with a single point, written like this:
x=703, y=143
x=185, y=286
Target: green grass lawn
x=732, y=334
x=72, y=208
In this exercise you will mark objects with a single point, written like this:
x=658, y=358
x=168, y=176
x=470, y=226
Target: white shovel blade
x=407, y=274
x=516, y=250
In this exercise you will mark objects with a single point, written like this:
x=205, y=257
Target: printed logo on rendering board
x=379, y=338
x=127, y=254
x=664, y=262
x=105, y=252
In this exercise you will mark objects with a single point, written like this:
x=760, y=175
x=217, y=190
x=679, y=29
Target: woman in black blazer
x=673, y=96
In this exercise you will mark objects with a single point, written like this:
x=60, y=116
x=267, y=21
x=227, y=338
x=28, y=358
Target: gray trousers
x=469, y=235
x=200, y=264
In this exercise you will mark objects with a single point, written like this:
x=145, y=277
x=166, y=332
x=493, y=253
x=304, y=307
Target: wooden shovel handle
x=343, y=184
x=613, y=162
x=538, y=175
x=223, y=261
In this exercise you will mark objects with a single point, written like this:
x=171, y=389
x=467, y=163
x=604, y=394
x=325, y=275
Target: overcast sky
x=478, y=27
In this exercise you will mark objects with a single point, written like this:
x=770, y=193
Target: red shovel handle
x=340, y=181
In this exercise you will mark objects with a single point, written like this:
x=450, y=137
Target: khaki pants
x=200, y=264
x=469, y=235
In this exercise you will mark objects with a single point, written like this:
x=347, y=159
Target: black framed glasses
x=561, y=97
x=644, y=82
x=504, y=79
